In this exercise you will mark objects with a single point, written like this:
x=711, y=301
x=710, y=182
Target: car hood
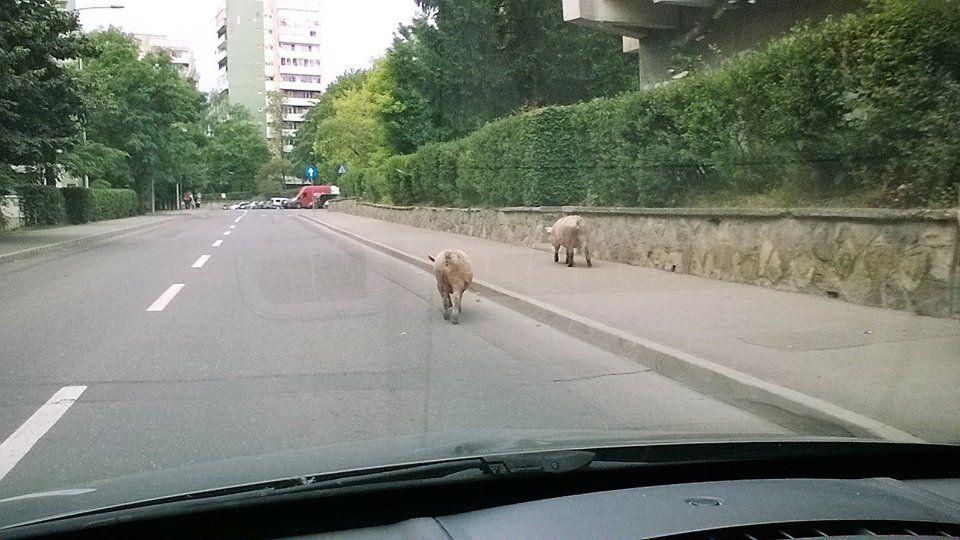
x=27, y=507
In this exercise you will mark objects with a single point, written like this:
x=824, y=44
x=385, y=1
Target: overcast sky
x=353, y=32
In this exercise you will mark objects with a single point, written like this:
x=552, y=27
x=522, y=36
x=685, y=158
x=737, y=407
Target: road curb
x=721, y=382
x=74, y=243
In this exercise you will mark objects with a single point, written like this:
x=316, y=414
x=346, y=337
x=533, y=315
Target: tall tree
x=142, y=107
x=410, y=118
x=236, y=151
x=351, y=131
x=276, y=111
x=39, y=101
x=345, y=83
x=303, y=153
x=477, y=60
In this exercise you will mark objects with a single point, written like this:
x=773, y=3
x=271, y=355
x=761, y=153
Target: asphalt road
x=286, y=337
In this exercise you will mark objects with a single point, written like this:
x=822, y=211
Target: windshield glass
x=244, y=240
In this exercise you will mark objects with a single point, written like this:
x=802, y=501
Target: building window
x=313, y=33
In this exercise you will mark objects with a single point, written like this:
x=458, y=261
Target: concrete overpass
x=657, y=30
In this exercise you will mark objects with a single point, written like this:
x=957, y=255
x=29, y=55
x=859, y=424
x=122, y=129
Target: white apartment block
x=179, y=50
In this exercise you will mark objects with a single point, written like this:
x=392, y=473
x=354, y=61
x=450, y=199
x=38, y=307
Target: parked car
x=278, y=202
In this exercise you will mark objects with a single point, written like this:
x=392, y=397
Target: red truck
x=308, y=194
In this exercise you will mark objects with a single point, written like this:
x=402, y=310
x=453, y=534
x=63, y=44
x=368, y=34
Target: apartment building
x=265, y=46
x=179, y=51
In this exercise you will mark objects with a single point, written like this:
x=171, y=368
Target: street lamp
x=86, y=179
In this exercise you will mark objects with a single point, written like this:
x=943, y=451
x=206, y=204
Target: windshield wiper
x=553, y=462
x=533, y=463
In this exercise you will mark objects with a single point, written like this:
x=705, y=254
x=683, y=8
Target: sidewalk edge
x=74, y=243
x=700, y=374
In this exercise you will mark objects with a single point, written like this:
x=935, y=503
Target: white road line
x=233, y=226
x=217, y=243
x=22, y=440
x=238, y=219
x=201, y=261
x=226, y=233
x=166, y=297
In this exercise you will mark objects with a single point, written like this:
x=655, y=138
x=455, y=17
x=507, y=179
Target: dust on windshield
x=240, y=235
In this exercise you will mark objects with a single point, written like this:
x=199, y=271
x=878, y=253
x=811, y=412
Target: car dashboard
x=751, y=509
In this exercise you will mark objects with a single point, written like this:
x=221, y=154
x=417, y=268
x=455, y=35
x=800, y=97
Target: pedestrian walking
x=198, y=199
x=187, y=200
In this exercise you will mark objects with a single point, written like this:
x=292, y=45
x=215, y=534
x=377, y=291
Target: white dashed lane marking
x=22, y=440
x=201, y=261
x=226, y=233
x=166, y=297
x=217, y=243
x=233, y=226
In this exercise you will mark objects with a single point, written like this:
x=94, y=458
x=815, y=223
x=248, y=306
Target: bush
x=76, y=203
x=41, y=205
x=866, y=103
x=112, y=204
x=434, y=173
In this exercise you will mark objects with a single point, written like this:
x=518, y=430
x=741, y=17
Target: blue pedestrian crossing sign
x=311, y=172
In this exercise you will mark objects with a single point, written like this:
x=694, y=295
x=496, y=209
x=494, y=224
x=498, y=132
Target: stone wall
x=899, y=259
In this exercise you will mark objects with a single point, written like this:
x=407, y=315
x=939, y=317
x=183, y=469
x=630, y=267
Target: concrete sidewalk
x=804, y=361
x=24, y=243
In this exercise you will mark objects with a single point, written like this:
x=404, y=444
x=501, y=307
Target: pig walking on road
x=454, y=275
x=571, y=232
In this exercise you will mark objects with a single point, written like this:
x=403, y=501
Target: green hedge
x=41, y=205
x=76, y=202
x=112, y=204
x=866, y=104
x=45, y=205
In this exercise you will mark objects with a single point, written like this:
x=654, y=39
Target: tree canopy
x=40, y=102
x=456, y=67
x=464, y=63
x=236, y=151
x=143, y=108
